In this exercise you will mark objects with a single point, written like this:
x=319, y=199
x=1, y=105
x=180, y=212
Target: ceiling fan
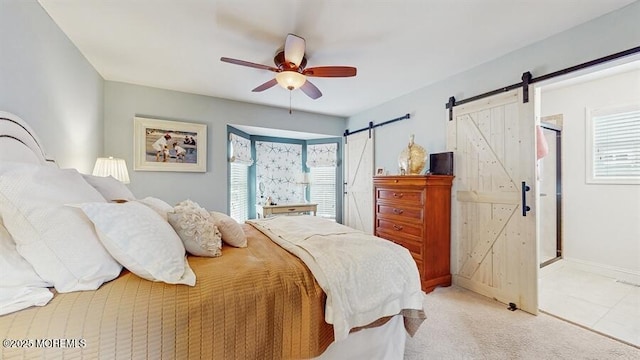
x=291, y=71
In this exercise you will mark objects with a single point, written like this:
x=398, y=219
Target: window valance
x=240, y=151
x=322, y=155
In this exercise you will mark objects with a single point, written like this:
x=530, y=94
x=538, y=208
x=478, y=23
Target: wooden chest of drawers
x=415, y=211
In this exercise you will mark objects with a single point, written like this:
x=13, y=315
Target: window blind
x=239, y=192
x=616, y=146
x=323, y=190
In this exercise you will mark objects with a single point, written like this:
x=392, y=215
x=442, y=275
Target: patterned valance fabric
x=322, y=155
x=240, y=150
x=277, y=165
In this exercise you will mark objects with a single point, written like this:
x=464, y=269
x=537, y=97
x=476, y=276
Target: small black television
x=441, y=163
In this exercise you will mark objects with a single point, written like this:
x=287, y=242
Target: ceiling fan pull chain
x=289, y=102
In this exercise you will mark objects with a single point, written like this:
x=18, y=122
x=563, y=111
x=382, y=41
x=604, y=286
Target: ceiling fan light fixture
x=290, y=80
x=291, y=69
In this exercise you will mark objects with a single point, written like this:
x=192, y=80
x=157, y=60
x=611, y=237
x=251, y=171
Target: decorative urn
x=412, y=159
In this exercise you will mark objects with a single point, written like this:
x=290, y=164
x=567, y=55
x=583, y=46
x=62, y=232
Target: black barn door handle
x=525, y=207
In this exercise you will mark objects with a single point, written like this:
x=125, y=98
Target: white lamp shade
x=290, y=79
x=112, y=167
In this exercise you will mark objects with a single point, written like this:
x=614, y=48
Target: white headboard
x=18, y=142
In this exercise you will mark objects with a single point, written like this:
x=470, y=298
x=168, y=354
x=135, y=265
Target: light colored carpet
x=464, y=325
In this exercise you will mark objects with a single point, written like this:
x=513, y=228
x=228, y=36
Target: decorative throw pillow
x=231, y=231
x=141, y=241
x=109, y=187
x=20, y=286
x=159, y=206
x=58, y=241
x=196, y=228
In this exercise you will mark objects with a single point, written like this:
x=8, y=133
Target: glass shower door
x=549, y=172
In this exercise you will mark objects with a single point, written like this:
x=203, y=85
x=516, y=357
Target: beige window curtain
x=322, y=155
x=240, y=150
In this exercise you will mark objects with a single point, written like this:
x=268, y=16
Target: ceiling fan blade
x=330, y=71
x=249, y=64
x=265, y=86
x=311, y=90
x=294, y=48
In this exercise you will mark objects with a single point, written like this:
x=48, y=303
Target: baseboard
x=617, y=273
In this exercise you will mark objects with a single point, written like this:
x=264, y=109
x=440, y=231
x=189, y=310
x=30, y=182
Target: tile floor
x=579, y=295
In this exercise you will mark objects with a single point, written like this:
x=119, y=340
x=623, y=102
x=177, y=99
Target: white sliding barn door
x=358, y=175
x=494, y=246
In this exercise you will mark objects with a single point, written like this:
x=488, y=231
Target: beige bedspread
x=258, y=302
x=364, y=277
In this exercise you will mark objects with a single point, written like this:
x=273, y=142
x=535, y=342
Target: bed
x=255, y=302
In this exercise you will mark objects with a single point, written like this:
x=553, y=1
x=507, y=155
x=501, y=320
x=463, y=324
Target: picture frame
x=380, y=171
x=163, y=145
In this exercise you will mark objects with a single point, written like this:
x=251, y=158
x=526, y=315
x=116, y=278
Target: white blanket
x=365, y=277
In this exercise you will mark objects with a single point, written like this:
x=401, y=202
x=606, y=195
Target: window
x=277, y=164
x=323, y=190
x=613, y=145
x=322, y=161
x=239, y=192
x=239, y=162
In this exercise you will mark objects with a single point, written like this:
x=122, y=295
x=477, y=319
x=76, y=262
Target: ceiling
x=398, y=46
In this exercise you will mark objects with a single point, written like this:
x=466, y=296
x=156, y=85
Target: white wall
x=124, y=101
x=47, y=82
x=601, y=223
x=608, y=34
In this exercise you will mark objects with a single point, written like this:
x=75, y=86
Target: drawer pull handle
x=397, y=228
x=398, y=211
x=293, y=209
x=396, y=195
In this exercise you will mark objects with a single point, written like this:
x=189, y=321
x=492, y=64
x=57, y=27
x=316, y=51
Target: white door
x=494, y=249
x=358, y=175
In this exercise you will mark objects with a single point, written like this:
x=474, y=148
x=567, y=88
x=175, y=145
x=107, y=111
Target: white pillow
x=196, y=228
x=231, y=231
x=109, y=187
x=20, y=286
x=159, y=206
x=58, y=241
x=141, y=241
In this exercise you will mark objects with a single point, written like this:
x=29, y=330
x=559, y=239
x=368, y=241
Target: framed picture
x=380, y=171
x=161, y=145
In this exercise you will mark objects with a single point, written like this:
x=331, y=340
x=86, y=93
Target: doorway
x=593, y=280
x=550, y=177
